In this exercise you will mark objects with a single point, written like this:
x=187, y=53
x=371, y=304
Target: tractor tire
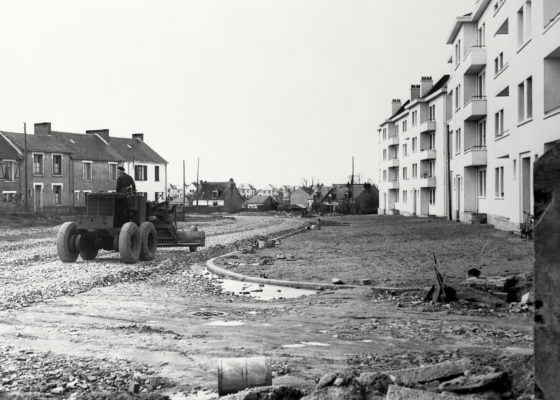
x=192, y=249
x=65, y=239
x=129, y=243
x=88, y=249
x=148, y=241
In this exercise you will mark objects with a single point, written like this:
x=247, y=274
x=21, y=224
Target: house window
x=432, y=193
x=552, y=79
x=396, y=130
x=38, y=164
x=9, y=170
x=432, y=113
x=57, y=194
x=499, y=182
x=156, y=173
x=141, y=172
x=384, y=154
x=404, y=196
x=498, y=63
x=405, y=149
x=414, y=171
x=414, y=144
x=404, y=126
x=57, y=164
x=431, y=140
x=457, y=53
x=431, y=169
x=481, y=84
x=499, y=123
x=87, y=170
x=481, y=38
x=524, y=24
x=384, y=133
x=76, y=195
x=481, y=134
x=482, y=183
x=414, y=118
x=384, y=175
x=458, y=141
x=113, y=171
x=525, y=100
x=405, y=173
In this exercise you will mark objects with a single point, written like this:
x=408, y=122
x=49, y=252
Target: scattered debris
x=495, y=380
x=428, y=373
x=403, y=393
x=439, y=291
x=337, y=281
x=365, y=282
x=510, y=287
x=473, y=272
x=266, y=260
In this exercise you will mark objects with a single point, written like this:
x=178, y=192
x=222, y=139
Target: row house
x=62, y=167
x=505, y=94
x=413, y=149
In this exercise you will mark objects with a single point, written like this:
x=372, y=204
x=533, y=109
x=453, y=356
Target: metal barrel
x=235, y=374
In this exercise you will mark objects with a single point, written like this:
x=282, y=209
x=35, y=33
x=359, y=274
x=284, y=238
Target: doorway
x=525, y=186
x=414, y=201
x=37, y=198
x=459, y=182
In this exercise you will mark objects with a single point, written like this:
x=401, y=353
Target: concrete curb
x=212, y=267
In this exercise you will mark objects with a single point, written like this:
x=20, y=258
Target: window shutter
x=2, y=176
x=16, y=172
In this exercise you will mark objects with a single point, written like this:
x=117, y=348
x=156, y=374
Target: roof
x=259, y=199
x=87, y=146
x=437, y=86
x=7, y=150
x=479, y=8
x=207, y=190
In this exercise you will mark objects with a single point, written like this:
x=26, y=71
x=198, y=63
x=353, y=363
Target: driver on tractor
x=125, y=182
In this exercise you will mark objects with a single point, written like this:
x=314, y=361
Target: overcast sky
x=263, y=91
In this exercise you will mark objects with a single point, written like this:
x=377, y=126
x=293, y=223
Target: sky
x=261, y=91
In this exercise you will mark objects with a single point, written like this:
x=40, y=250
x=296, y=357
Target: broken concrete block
x=337, y=281
x=375, y=381
x=527, y=298
x=365, y=282
x=494, y=380
x=326, y=380
x=428, y=373
x=290, y=257
x=403, y=393
x=134, y=387
x=265, y=392
x=280, y=256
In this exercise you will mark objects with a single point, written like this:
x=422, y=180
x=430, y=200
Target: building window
x=432, y=196
x=414, y=144
x=404, y=196
x=384, y=175
x=113, y=171
x=432, y=112
x=414, y=171
x=404, y=126
x=405, y=149
x=76, y=195
x=431, y=169
x=57, y=164
x=458, y=141
x=432, y=140
x=481, y=84
x=525, y=100
x=384, y=154
x=499, y=181
x=481, y=134
x=458, y=52
x=482, y=183
x=481, y=38
x=414, y=118
x=552, y=79
x=396, y=130
x=156, y=173
x=498, y=63
x=38, y=164
x=499, y=123
x=524, y=24
x=405, y=173
x=9, y=170
x=551, y=10
x=457, y=97
x=384, y=133
x=57, y=194
x=141, y=172
x=514, y=169
x=87, y=170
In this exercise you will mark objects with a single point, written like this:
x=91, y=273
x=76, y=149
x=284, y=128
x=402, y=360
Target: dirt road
x=167, y=320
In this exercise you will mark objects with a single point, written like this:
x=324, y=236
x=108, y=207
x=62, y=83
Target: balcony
x=475, y=156
x=392, y=162
x=392, y=140
x=427, y=182
x=428, y=153
x=475, y=109
x=427, y=126
x=393, y=184
x=475, y=60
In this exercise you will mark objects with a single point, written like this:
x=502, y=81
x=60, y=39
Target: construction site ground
x=86, y=329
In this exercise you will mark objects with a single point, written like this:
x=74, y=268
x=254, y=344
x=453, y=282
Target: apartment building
x=62, y=167
x=413, y=168
x=505, y=95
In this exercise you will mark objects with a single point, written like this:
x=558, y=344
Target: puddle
x=225, y=323
x=303, y=344
x=260, y=291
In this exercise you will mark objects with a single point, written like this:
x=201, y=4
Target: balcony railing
x=475, y=156
x=427, y=153
x=475, y=108
x=427, y=126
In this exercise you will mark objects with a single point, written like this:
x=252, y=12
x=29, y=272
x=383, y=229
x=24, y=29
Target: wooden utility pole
x=197, y=181
x=183, y=188
x=26, y=204
x=352, y=189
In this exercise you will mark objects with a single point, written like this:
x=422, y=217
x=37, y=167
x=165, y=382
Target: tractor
x=126, y=223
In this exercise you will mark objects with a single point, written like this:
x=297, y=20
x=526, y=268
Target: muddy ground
x=84, y=329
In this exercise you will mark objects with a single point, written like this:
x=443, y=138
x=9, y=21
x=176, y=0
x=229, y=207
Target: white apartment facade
x=505, y=95
x=413, y=168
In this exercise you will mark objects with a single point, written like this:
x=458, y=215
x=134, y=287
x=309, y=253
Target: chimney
x=426, y=85
x=43, y=128
x=139, y=136
x=414, y=92
x=395, y=105
x=104, y=133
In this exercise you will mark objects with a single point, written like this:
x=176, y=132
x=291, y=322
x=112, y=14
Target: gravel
x=30, y=270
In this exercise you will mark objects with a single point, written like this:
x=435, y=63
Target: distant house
x=63, y=167
x=355, y=199
x=302, y=197
x=218, y=194
x=262, y=203
x=246, y=190
x=10, y=162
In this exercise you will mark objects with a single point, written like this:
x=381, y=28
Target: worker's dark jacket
x=123, y=182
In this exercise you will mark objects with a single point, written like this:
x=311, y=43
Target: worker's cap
x=120, y=168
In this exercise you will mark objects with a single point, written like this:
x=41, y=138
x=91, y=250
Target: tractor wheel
x=192, y=249
x=65, y=240
x=148, y=241
x=129, y=243
x=88, y=249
